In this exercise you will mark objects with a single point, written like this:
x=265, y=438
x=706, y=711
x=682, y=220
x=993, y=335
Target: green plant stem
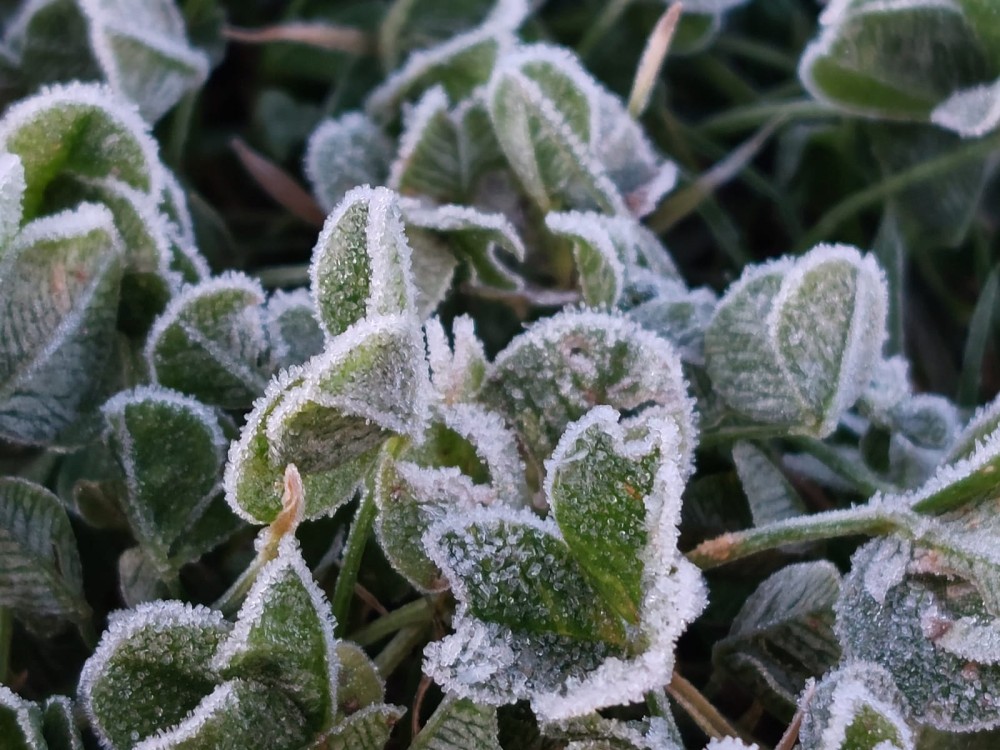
x=738, y=119
x=966, y=153
x=6, y=637
x=863, y=520
x=864, y=481
x=419, y=612
x=754, y=51
x=399, y=648
x=726, y=80
x=274, y=277
x=608, y=18
x=354, y=550
x=980, y=328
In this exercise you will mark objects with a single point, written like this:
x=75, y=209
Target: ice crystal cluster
x=539, y=498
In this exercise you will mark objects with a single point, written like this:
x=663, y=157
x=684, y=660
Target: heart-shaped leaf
x=793, y=343
x=212, y=342
x=151, y=669
x=167, y=493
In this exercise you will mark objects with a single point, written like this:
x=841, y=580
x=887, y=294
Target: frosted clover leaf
x=610, y=252
x=41, y=581
x=459, y=65
x=856, y=707
x=904, y=607
x=361, y=263
x=213, y=342
x=157, y=655
x=866, y=60
x=471, y=235
x=565, y=365
x=139, y=46
x=467, y=458
x=329, y=418
x=284, y=638
x=570, y=142
x=167, y=675
x=172, y=501
x=543, y=108
x=583, y=635
x=783, y=634
x=80, y=130
x=59, y=282
x=793, y=342
x=343, y=154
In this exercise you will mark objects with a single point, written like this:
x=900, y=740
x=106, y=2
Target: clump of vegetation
x=350, y=396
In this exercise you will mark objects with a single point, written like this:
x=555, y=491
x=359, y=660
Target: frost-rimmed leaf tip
x=212, y=342
x=284, y=637
x=115, y=143
x=158, y=655
x=361, y=265
x=143, y=49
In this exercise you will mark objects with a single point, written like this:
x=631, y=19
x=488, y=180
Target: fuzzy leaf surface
x=40, y=574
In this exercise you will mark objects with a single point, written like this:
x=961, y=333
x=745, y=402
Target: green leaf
x=416, y=24
x=59, y=286
x=931, y=214
x=472, y=235
x=344, y=153
x=458, y=724
x=489, y=554
x=283, y=638
x=359, y=683
x=11, y=195
x=292, y=327
x=144, y=53
x=783, y=634
x=771, y=497
x=603, y=483
x=568, y=363
x=361, y=263
x=253, y=477
x=167, y=493
x=81, y=130
x=857, y=707
x=139, y=578
x=910, y=608
x=793, y=342
x=429, y=162
x=370, y=383
x=212, y=342
x=368, y=729
x=150, y=671
x=457, y=369
x=235, y=715
x=672, y=311
x=40, y=575
x=20, y=722
x=896, y=61
x=459, y=66
x=50, y=42
x=541, y=105
x=59, y=724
